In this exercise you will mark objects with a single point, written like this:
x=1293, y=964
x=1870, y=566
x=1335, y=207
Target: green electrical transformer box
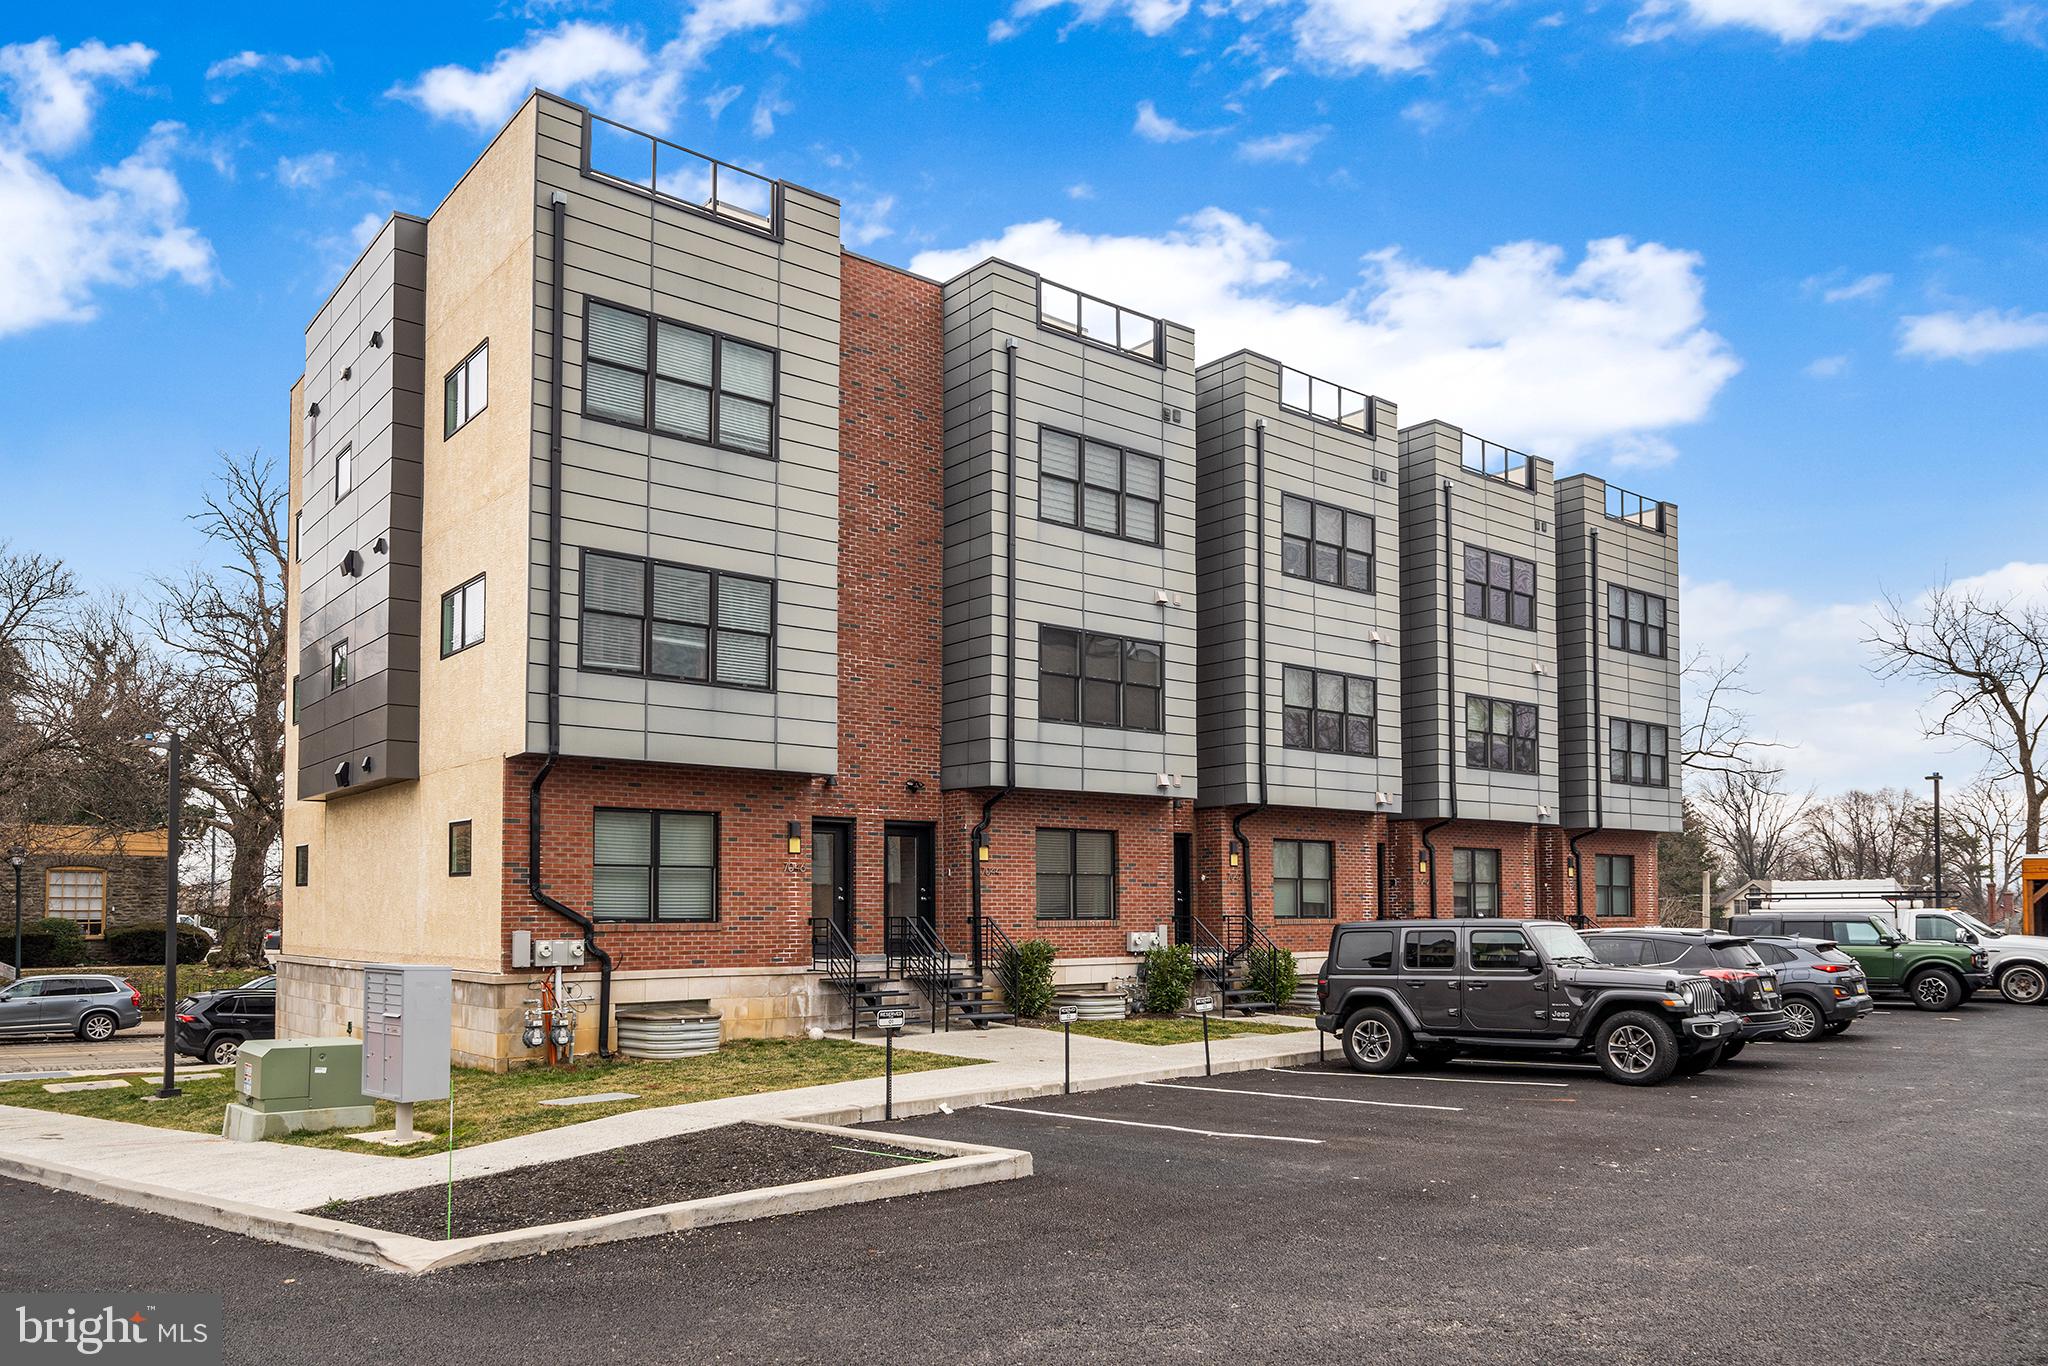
x=274, y=1075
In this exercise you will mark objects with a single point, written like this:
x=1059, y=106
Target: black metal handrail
x=996, y=948
x=1212, y=960
x=833, y=957
x=918, y=955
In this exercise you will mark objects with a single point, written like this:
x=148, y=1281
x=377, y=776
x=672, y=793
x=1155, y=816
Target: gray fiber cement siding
x=1501, y=662
x=1307, y=624
x=633, y=492
x=1065, y=577
x=1634, y=687
x=365, y=374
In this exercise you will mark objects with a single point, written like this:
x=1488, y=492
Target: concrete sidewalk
x=1017, y=1063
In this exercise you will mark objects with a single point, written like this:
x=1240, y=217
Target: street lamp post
x=1935, y=778
x=172, y=805
x=17, y=856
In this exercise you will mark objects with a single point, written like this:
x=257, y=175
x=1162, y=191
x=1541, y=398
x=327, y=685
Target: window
x=458, y=849
x=1366, y=950
x=344, y=471
x=1092, y=319
x=1858, y=932
x=1330, y=712
x=1326, y=544
x=77, y=894
x=1430, y=950
x=1099, y=487
x=654, y=865
x=462, y=617
x=1475, y=882
x=1076, y=875
x=466, y=390
x=298, y=536
x=337, y=665
x=1301, y=880
x=1937, y=927
x=677, y=621
x=295, y=699
x=1096, y=680
x=1614, y=885
x=1327, y=402
x=1636, y=753
x=1497, y=950
x=1500, y=735
x=1619, y=950
x=301, y=859
x=1635, y=621
x=1500, y=588
x=657, y=375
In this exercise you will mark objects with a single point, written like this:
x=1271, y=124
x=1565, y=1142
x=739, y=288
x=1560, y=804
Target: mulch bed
x=737, y=1157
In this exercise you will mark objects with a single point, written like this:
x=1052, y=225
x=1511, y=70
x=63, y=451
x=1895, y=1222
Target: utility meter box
x=408, y=1027
x=274, y=1075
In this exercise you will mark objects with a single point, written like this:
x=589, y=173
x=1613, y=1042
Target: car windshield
x=1559, y=942
x=1979, y=926
x=1735, y=956
x=1835, y=956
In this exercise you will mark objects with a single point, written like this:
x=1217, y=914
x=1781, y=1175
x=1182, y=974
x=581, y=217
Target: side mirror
x=1970, y=937
x=1529, y=960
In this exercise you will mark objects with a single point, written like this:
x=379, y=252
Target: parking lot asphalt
x=1874, y=1198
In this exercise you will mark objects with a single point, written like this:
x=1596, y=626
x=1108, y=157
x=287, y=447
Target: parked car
x=1824, y=989
x=273, y=944
x=1432, y=989
x=2019, y=962
x=214, y=1025
x=267, y=982
x=1747, y=984
x=93, y=1006
x=1933, y=976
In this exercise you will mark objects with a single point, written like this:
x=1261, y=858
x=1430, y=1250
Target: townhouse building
x=667, y=577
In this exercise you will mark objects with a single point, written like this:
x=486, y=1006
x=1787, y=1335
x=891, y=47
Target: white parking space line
x=1421, y=1076
x=1290, y=1095
x=1140, y=1124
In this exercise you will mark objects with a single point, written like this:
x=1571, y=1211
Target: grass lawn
x=1164, y=1029
x=494, y=1105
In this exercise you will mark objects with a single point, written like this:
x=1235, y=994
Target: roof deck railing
x=676, y=175
x=1635, y=509
x=1326, y=402
x=1098, y=321
x=1500, y=462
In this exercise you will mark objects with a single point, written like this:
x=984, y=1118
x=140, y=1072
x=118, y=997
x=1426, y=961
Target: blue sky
x=1784, y=262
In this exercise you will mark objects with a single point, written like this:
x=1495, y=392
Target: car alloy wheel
x=1632, y=1049
x=97, y=1028
x=1932, y=992
x=1806, y=1020
x=1372, y=1040
x=2023, y=985
x=223, y=1052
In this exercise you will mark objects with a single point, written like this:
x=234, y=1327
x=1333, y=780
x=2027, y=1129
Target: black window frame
x=1344, y=549
x=1349, y=959
x=452, y=421
x=458, y=598
x=1486, y=588
x=1622, y=753
x=1312, y=388
x=1518, y=745
x=1462, y=903
x=1151, y=352
x=655, y=865
x=302, y=865
x=1049, y=680
x=337, y=666
x=714, y=207
x=1082, y=484
x=1514, y=964
x=1315, y=712
x=647, y=619
x=1413, y=939
x=1301, y=880
x=1619, y=624
x=1606, y=889
x=1073, y=876
x=344, y=459
x=713, y=392
x=461, y=838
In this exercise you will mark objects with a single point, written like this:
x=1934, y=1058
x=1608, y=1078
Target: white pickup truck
x=2019, y=962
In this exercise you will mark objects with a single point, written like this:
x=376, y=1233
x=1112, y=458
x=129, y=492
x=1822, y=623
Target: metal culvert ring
x=665, y=1034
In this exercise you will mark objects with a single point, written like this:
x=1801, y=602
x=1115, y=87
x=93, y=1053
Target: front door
x=1863, y=940
x=907, y=880
x=831, y=885
x=1500, y=995
x=1429, y=962
x=1183, y=891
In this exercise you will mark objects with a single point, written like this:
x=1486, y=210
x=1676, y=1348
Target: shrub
x=1272, y=973
x=52, y=943
x=1025, y=971
x=1169, y=976
x=145, y=944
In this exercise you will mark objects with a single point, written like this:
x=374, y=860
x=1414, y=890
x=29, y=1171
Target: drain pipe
x=979, y=840
x=554, y=697
x=1599, y=808
x=1450, y=707
x=1259, y=689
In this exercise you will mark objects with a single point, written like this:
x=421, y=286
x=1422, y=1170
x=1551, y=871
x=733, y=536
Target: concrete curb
x=958, y=1165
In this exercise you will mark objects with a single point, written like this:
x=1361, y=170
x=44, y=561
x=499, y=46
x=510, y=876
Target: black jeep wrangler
x=1436, y=988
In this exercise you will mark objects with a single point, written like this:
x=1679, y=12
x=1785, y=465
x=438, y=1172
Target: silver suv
x=90, y=1005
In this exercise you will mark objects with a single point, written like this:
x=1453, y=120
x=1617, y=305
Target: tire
x=97, y=1027
x=221, y=1052
x=1808, y=1023
x=1834, y=1027
x=1935, y=989
x=2023, y=984
x=1375, y=1040
x=1731, y=1048
x=1692, y=1064
x=1636, y=1048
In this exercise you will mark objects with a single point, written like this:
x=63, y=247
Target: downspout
x=554, y=696
x=1599, y=809
x=1259, y=690
x=1450, y=708
x=980, y=837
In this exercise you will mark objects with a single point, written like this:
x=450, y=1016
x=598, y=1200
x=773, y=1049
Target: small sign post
x=889, y=1021
x=1068, y=1014
x=1202, y=1008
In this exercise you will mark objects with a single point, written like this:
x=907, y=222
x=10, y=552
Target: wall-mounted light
x=1422, y=865
x=914, y=785
x=347, y=371
x=1234, y=858
x=313, y=411
x=796, y=838
x=376, y=339
x=1571, y=867
x=981, y=850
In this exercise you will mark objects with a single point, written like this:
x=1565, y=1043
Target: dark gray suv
x=1824, y=988
x=90, y=1005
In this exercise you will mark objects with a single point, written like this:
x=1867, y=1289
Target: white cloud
x=1827, y=367
x=1150, y=17
x=1954, y=335
x=1291, y=147
x=1863, y=287
x=246, y=62
x=1388, y=36
x=1080, y=189
x=55, y=91
x=307, y=172
x=1427, y=115
x=717, y=100
x=2024, y=24
x=1520, y=345
x=768, y=107
x=867, y=222
x=1789, y=21
x=1154, y=126
x=1641, y=451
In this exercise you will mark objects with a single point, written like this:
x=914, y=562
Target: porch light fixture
x=1422, y=865
x=1571, y=867
x=981, y=850
x=796, y=838
x=1234, y=857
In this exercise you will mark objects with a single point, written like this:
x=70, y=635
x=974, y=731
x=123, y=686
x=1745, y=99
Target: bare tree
x=1985, y=824
x=1986, y=660
x=1752, y=821
x=1717, y=736
x=225, y=628
x=92, y=688
x=1862, y=834
x=35, y=593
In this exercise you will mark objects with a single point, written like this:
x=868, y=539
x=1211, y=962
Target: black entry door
x=1183, y=889
x=907, y=880
x=831, y=884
